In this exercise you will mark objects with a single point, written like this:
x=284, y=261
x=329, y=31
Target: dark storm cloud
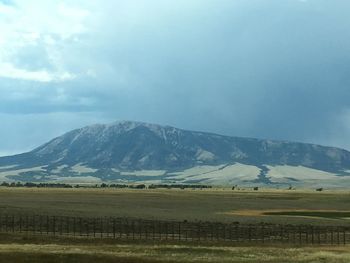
x=269, y=69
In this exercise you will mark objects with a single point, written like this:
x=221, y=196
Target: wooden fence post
x=20, y=223
x=80, y=226
x=199, y=232
x=166, y=230
x=54, y=225
x=179, y=231
x=101, y=227
x=293, y=233
x=224, y=232
x=332, y=236
x=140, y=229
x=61, y=225
x=146, y=230
x=13, y=224
x=47, y=225
x=250, y=233
x=87, y=225
x=263, y=233
x=173, y=229
x=6, y=219
x=114, y=228
x=67, y=228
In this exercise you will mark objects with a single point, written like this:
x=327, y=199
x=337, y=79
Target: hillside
x=141, y=152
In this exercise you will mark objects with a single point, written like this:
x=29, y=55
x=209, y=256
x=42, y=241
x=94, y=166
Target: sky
x=272, y=69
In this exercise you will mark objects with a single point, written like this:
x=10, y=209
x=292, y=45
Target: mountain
x=141, y=152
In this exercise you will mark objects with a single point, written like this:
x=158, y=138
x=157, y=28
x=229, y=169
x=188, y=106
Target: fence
x=133, y=229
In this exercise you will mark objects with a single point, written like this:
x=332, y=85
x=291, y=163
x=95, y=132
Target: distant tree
x=30, y=184
x=5, y=184
x=256, y=188
x=139, y=186
x=319, y=189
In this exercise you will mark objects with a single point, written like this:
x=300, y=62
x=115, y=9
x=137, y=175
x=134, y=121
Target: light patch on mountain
x=203, y=155
x=59, y=169
x=197, y=170
x=79, y=168
x=4, y=176
x=78, y=180
x=298, y=173
x=145, y=173
x=7, y=167
x=231, y=174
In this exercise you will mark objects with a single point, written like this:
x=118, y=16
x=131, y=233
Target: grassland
x=161, y=253
x=276, y=206
x=38, y=250
x=206, y=205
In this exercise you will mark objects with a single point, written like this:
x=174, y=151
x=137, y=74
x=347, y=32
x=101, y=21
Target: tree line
x=104, y=185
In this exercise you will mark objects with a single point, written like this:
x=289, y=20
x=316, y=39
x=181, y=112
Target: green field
x=275, y=206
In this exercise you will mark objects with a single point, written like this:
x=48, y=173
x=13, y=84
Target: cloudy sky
x=277, y=69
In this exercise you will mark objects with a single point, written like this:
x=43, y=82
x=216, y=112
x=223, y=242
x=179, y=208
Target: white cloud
x=47, y=25
x=7, y=70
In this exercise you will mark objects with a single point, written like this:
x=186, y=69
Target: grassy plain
x=16, y=249
x=205, y=205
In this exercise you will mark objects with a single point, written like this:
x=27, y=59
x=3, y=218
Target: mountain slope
x=118, y=151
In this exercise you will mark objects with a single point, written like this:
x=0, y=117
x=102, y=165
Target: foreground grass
x=30, y=249
x=132, y=253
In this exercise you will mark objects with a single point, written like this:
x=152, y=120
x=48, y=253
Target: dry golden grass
x=167, y=253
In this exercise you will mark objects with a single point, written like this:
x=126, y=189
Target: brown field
x=205, y=205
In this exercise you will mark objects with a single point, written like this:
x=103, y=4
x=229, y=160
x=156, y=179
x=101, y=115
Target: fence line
x=138, y=229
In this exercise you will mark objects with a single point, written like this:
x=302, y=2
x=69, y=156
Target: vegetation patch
x=322, y=214
x=327, y=214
